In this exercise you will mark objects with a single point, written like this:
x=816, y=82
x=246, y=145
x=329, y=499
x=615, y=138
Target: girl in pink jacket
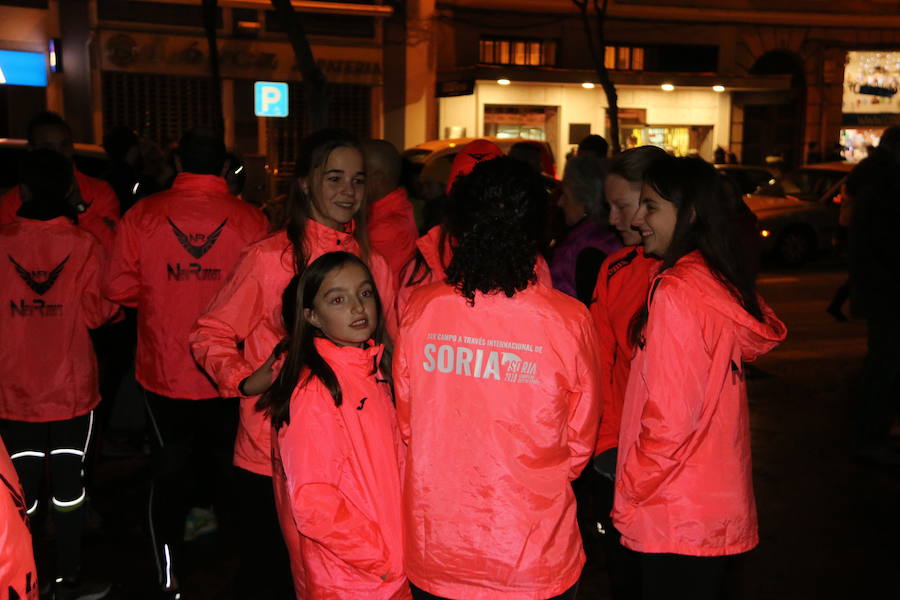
x=684, y=492
x=336, y=445
x=243, y=324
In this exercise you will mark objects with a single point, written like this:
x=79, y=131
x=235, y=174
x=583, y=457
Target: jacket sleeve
x=122, y=280
x=400, y=374
x=314, y=462
x=96, y=309
x=675, y=372
x=232, y=315
x=584, y=405
x=384, y=281
x=606, y=340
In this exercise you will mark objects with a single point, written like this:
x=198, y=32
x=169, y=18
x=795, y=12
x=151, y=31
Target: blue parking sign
x=271, y=99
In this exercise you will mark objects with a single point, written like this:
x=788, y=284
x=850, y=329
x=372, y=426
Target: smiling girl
x=337, y=447
x=243, y=324
x=684, y=492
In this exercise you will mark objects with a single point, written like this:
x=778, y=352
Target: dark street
x=828, y=526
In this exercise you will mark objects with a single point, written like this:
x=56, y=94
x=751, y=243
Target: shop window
x=530, y=122
x=535, y=53
x=161, y=107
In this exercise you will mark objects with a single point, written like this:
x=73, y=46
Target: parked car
x=748, y=178
x=798, y=212
x=90, y=159
x=435, y=151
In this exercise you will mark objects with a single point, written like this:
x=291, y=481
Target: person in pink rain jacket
x=327, y=214
x=496, y=390
x=336, y=445
x=684, y=492
x=435, y=249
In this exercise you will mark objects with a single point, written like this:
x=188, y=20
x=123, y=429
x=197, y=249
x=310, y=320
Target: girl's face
x=623, y=197
x=572, y=211
x=655, y=220
x=344, y=308
x=336, y=189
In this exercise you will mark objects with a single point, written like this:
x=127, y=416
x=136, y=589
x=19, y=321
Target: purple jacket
x=586, y=233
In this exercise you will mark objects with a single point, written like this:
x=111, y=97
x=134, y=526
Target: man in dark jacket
x=874, y=189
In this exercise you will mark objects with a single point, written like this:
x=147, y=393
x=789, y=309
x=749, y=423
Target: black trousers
x=877, y=400
x=420, y=594
x=264, y=569
x=679, y=577
x=65, y=444
x=623, y=565
x=192, y=442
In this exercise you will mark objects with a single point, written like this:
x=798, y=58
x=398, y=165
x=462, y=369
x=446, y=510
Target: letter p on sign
x=271, y=99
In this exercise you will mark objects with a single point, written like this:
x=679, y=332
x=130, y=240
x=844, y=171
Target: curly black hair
x=498, y=228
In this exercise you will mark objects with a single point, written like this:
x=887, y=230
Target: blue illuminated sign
x=271, y=99
x=23, y=68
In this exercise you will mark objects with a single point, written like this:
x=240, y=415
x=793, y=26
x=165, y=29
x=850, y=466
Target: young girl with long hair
x=495, y=380
x=233, y=341
x=684, y=492
x=337, y=449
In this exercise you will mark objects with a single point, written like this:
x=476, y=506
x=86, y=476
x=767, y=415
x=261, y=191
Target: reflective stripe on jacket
x=622, y=285
x=498, y=404
x=248, y=309
x=51, y=275
x=100, y=216
x=173, y=251
x=337, y=483
x=683, y=480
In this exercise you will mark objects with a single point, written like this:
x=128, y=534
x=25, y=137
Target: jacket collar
x=322, y=236
x=196, y=181
x=354, y=356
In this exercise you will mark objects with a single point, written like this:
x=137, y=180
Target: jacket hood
x=753, y=337
x=430, y=247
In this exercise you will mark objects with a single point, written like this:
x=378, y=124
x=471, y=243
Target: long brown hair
x=315, y=150
x=300, y=342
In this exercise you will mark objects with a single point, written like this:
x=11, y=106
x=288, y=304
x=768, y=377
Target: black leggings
x=680, y=577
x=65, y=443
x=420, y=594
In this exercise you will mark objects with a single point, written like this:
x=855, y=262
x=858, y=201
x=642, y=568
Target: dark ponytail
x=302, y=355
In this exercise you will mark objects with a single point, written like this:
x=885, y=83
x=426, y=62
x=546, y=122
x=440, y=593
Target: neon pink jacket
x=17, y=571
x=429, y=246
x=100, y=218
x=248, y=309
x=683, y=480
x=392, y=230
x=337, y=483
x=499, y=406
x=622, y=285
x=172, y=253
x=51, y=275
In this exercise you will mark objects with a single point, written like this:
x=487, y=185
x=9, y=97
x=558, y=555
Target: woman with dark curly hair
x=495, y=378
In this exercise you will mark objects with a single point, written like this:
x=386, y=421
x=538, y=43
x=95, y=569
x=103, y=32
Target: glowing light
x=503, y=81
x=587, y=85
x=765, y=233
x=667, y=87
x=719, y=88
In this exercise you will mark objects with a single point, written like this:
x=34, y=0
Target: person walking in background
x=94, y=200
x=874, y=186
x=48, y=371
x=235, y=338
x=589, y=239
x=336, y=446
x=621, y=289
x=593, y=145
x=495, y=379
x=172, y=253
x=392, y=225
x=684, y=489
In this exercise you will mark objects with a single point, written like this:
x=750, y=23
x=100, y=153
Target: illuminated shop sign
x=23, y=68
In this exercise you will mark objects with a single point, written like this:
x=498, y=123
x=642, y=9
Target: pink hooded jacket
x=498, y=403
x=337, y=483
x=248, y=309
x=18, y=576
x=429, y=246
x=51, y=286
x=683, y=480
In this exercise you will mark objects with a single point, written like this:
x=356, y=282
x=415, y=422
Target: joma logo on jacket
x=39, y=281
